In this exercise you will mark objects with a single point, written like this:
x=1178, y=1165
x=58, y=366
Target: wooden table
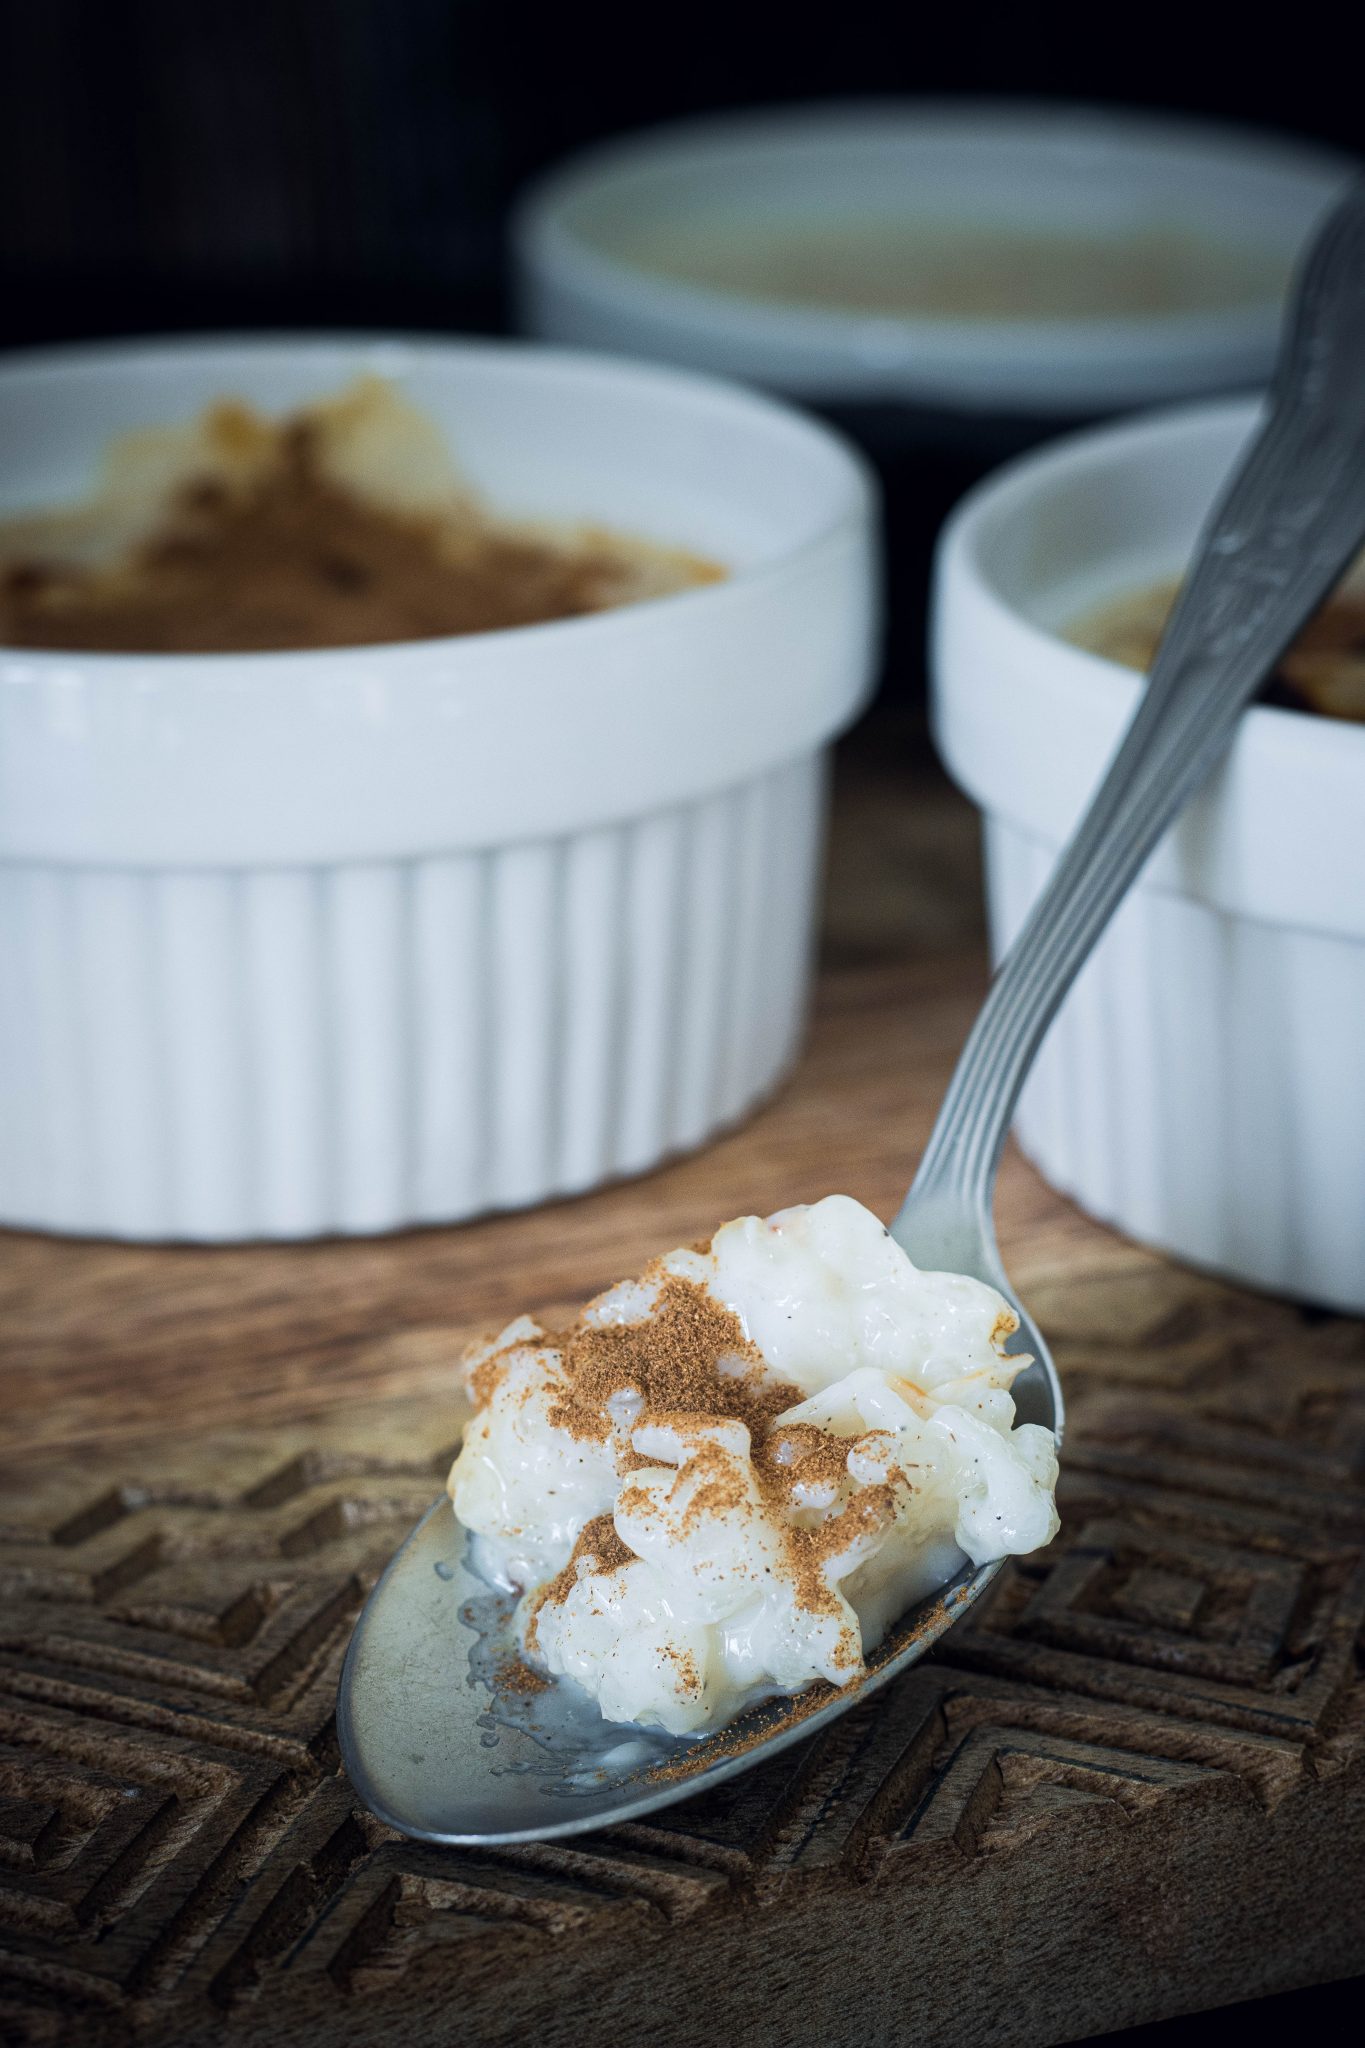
x=1134, y=1786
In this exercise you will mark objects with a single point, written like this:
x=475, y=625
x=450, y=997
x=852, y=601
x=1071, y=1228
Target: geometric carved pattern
x=179, y=1851
x=1170, y=1601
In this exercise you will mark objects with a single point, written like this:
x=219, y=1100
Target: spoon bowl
x=430, y=1745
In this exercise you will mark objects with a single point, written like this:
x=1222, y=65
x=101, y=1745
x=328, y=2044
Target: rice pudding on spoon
x=731, y=1475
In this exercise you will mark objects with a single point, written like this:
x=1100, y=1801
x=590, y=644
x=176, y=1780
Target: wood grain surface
x=1133, y=1785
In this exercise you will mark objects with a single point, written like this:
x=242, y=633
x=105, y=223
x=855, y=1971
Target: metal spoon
x=419, y=1736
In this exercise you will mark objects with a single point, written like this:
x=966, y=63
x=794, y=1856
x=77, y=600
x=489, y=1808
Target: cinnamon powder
x=598, y=1549
x=690, y=1361
x=673, y=1359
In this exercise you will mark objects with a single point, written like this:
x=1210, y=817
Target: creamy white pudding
x=732, y=1474
x=909, y=266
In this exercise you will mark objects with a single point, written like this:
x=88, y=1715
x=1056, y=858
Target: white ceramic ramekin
x=1204, y=1084
x=341, y=941
x=1055, y=168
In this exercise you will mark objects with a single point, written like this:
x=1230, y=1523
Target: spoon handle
x=1285, y=531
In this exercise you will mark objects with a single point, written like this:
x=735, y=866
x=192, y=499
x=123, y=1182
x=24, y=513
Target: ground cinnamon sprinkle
x=749, y=1733
x=634, y=1501
x=799, y=1454
x=483, y=1378
x=719, y=1495
x=685, y=1664
x=775, y=1718
x=809, y=1552
x=599, y=1547
x=672, y=1359
x=689, y=1361
x=519, y=1678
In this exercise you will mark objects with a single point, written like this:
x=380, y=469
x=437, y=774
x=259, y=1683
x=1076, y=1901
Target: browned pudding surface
x=278, y=553
x=1324, y=670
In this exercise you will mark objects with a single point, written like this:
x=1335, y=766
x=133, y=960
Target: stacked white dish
x=606, y=249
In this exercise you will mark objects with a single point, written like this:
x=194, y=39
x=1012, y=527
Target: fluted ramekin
x=341, y=941
x=1203, y=1086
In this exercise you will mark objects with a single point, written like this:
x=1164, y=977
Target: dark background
x=181, y=163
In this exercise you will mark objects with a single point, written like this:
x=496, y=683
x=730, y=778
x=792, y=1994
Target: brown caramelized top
x=280, y=553
x=1324, y=670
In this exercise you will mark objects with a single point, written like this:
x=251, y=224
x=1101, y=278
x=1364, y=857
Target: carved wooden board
x=1133, y=1785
